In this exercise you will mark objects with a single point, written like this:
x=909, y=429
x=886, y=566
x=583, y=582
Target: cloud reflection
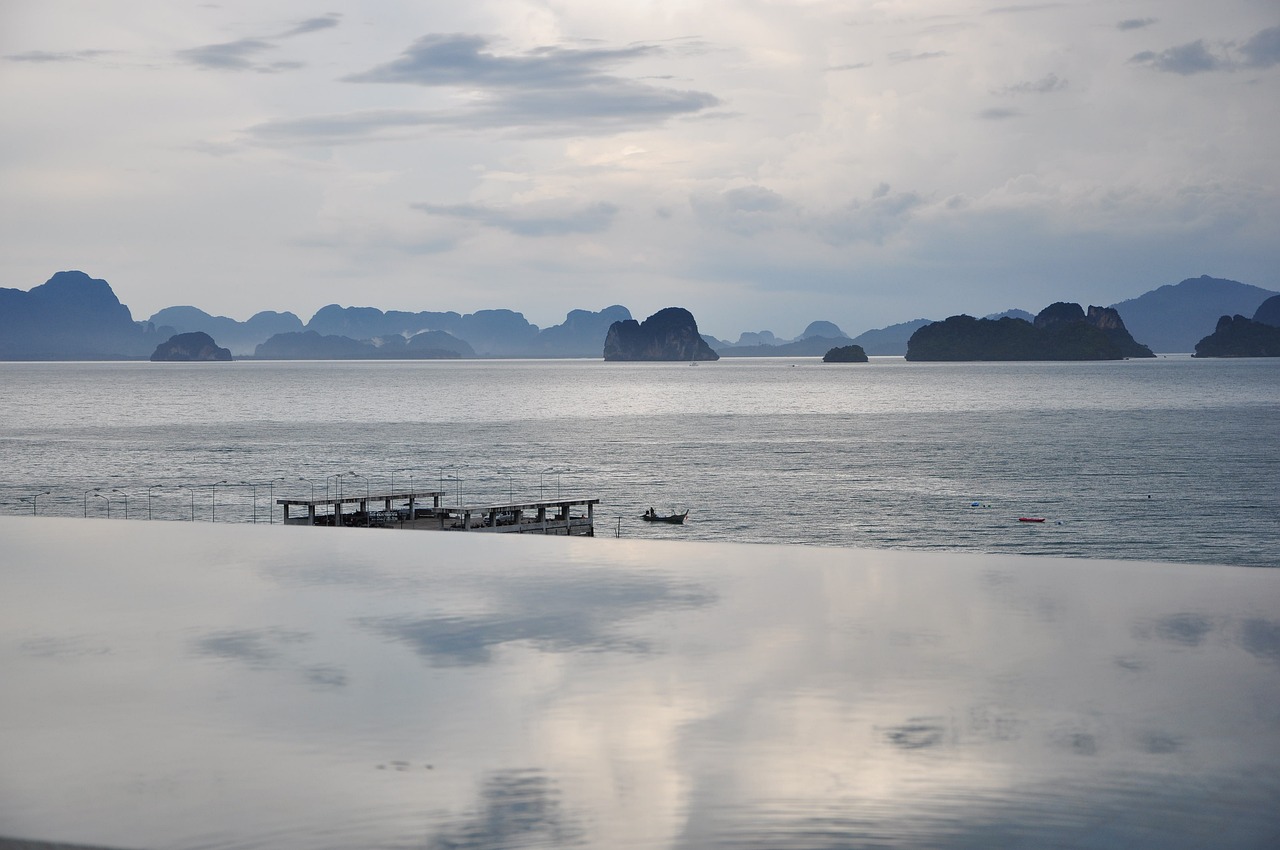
x=255, y=647
x=517, y=808
x=1261, y=638
x=551, y=616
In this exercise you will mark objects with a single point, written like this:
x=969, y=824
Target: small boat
x=1030, y=519
x=652, y=516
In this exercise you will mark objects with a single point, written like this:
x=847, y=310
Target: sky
x=763, y=163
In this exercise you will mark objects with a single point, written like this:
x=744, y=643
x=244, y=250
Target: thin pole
x=214, y=516
x=34, y=498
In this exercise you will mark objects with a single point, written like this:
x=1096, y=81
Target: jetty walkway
x=423, y=510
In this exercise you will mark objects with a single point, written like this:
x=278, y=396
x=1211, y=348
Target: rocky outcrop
x=1236, y=336
x=1107, y=320
x=845, y=354
x=190, y=347
x=1061, y=331
x=669, y=334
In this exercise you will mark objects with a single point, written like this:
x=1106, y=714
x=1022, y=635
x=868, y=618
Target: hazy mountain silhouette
x=1268, y=312
x=1175, y=317
x=582, y=333
x=72, y=317
x=491, y=333
x=309, y=345
x=240, y=337
x=1014, y=313
x=890, y=340
x=818, y=338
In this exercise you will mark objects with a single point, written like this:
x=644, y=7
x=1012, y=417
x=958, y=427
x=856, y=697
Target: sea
x=901, y=671
x=1171, y=459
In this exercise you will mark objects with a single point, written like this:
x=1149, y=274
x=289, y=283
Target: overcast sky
x=764, y=163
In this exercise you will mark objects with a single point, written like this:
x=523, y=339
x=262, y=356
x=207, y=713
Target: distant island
x=73, y=316
x=669, y=334
x=845, y=354
x=1236, y=336
x=190, y=347
x=1061, y=331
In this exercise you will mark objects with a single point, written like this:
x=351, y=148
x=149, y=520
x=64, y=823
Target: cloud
x=312, y=25
x=1260, y=51
x=907, y=56
x=1045, y=85
x=242, y=54
x=1263, y=50
x=750, y=210
x=1036, y=7
x=869, y=222
x=1185, y=59
x=545, y=91
x=745, y=210
x=856, y=66
x=1135, y=23
x=236, y=55
x=754, y=199
x=40, y=56
x=999, y=114
x=534, y=221
x=462, y=60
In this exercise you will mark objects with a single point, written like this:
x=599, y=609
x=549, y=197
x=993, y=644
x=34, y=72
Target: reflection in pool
x=187, y=685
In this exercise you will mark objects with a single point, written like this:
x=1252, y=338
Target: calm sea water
x=215, y=687
x=1172, y=459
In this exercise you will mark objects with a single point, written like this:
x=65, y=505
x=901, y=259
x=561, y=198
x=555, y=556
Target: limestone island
x=669, y=334
x=195, y=346
x=1236, y=336
x=1061, y=331
x=845, y=354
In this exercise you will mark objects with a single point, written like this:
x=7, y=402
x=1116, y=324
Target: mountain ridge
x=74, y=316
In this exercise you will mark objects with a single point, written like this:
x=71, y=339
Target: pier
x=423, y=511
x=396, y=507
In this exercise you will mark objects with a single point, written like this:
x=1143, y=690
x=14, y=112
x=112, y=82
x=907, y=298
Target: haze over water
x=1172, y=460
